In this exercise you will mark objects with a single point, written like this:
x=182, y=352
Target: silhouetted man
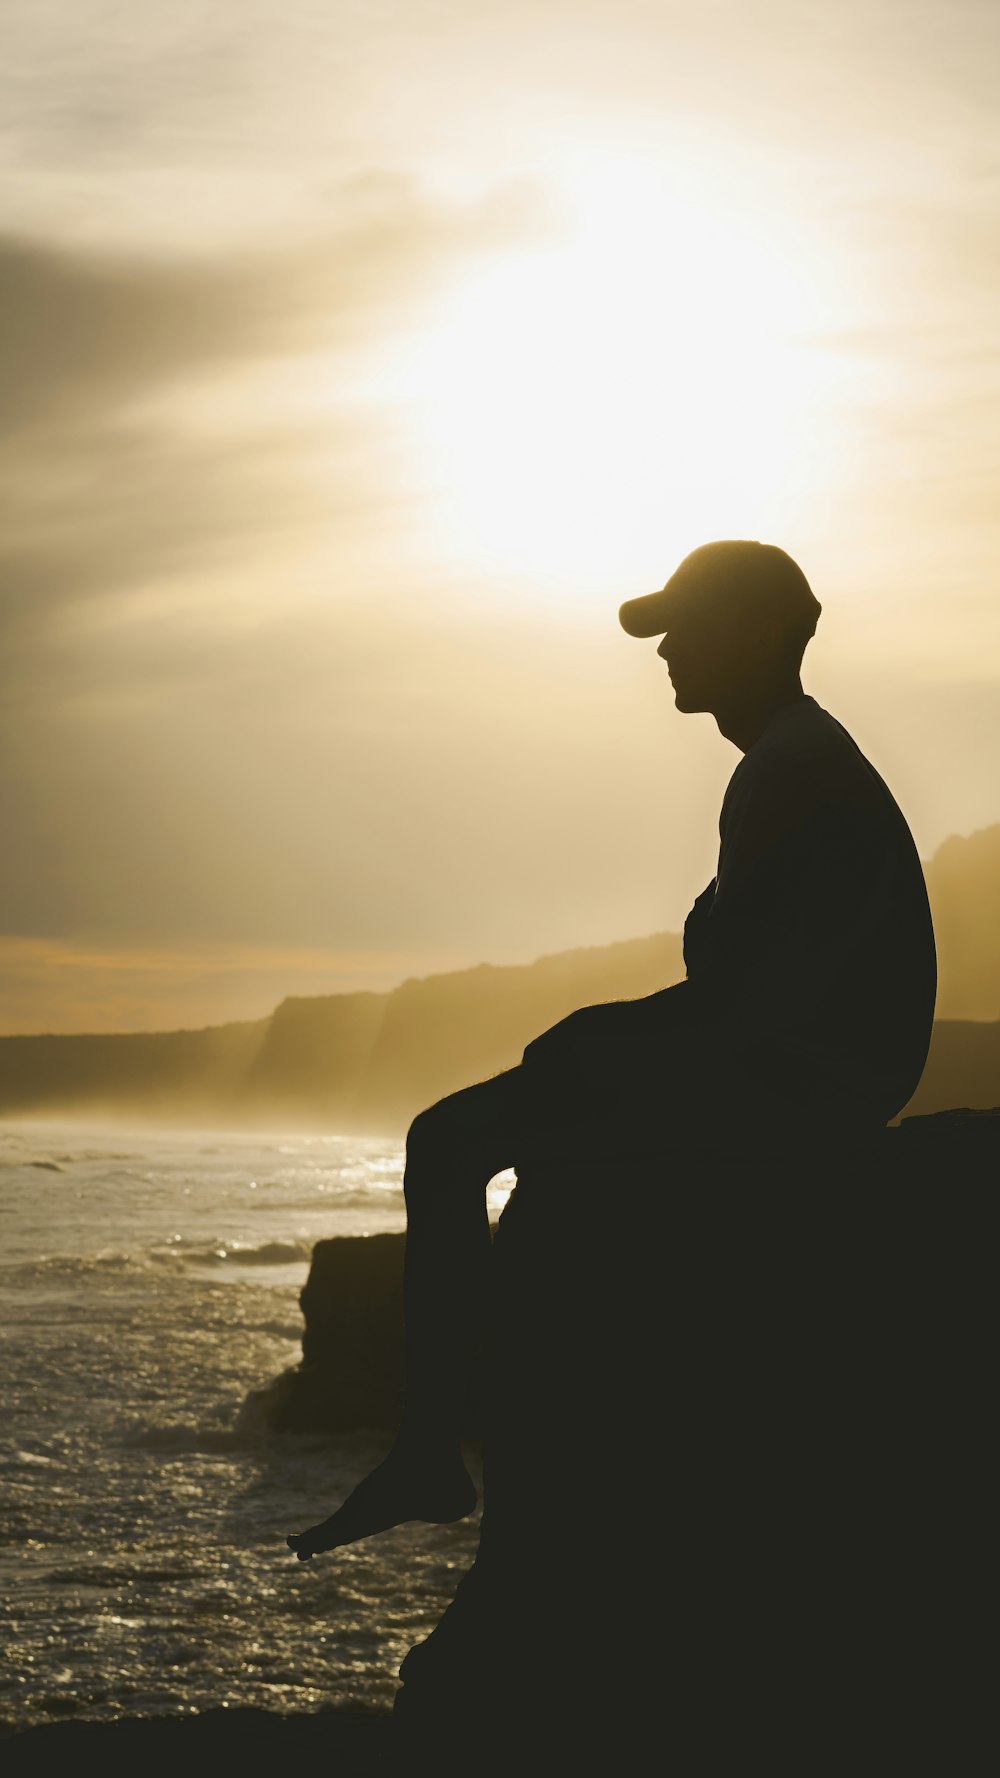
x=806, y=1011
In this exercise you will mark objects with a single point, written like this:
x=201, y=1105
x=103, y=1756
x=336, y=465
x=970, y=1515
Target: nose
x=662, y=650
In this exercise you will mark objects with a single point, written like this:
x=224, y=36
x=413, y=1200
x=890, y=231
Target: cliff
x=963, y=884
x=372, y=1061
x=341, y=1061
x=369, y=1062
x=963, y=1068
x=156, y=1074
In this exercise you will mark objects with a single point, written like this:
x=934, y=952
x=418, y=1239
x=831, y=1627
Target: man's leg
x=453, y=1150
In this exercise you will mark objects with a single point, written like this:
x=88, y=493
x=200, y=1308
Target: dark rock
x=251, y=1741
x=736, y=1471
x=352, y=1369
x=351, y=1373
x=738, y=1425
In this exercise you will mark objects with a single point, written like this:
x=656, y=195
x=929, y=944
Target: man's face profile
x=711, y=652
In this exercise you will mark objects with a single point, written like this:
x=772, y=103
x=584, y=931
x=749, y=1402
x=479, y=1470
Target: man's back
x=811, y=954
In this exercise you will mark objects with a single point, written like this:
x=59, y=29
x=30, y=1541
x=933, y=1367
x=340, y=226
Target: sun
x=622, y=394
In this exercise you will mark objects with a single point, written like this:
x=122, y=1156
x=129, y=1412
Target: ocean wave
x=84, y=1155
x=177, y=1257
x=333, y=1200
x=189, y=1437
x=18, y=1458
x=15, y=1152
x=76, y=1265
x=269, y=1253
x=281, y=1330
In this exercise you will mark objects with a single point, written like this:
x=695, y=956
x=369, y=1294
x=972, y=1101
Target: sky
x=358, y=359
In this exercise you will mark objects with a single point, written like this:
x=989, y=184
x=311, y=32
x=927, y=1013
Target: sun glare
x=622, y=395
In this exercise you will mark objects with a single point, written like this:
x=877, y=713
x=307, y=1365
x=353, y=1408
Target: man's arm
x=790, y=906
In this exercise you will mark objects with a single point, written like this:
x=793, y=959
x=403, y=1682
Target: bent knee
x=471, y=1127
x=429, y=1132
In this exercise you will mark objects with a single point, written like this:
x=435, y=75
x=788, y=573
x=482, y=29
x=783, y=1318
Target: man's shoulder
x=805, y=774
x=806, y=754
x=805, y=729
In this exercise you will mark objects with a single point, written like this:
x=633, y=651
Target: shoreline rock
x=359, y=1743
x=351, y=1373
x=773, y=1411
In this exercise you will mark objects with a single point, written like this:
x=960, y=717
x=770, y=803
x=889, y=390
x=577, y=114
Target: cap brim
x=648, y=616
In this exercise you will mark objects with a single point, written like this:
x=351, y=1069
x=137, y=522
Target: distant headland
x=367, y=1062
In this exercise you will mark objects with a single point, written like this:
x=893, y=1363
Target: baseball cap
x=733, y=574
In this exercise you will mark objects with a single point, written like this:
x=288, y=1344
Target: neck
x=744, y=717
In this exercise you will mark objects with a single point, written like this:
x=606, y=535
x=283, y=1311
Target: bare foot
x=401, y=1488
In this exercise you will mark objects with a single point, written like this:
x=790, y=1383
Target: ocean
x=149, y=1281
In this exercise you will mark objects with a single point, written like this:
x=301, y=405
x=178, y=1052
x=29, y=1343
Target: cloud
x=142, y=553
x=86, y=332
x=111, y=484
x=83, y=333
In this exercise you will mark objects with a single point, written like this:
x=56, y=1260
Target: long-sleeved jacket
x=810, y=959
